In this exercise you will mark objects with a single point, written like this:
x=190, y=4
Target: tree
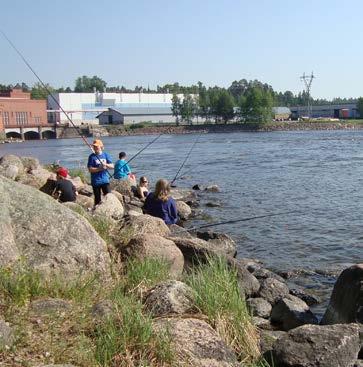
x=176, y=107
x=86, y=84
x=225, y=106
x=258, y=105
x=39, y=92
x=360, y=106
x=188, y=108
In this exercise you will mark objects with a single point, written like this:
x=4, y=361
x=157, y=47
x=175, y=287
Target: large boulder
x=36, y=178
x=11, y=166
x=346, y=302
x=154, y=246
x=318, y=346
x=85, y=202
x=184, y=210
x=291, y=312
x=30, y=163
x=147, y=224
x=47, y=235
x=121, y=186
x=183, y=195
x=219, y=240
x=196, y=344
x=110, y=208
x=259, y=307
x=170, y=297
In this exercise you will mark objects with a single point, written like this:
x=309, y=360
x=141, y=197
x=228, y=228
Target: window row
x=21, y=118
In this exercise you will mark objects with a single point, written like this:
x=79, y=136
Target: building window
x=6, y=118
x=37, y=120
x=21, y=118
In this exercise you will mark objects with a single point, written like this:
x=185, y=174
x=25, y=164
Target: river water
x=317, y=173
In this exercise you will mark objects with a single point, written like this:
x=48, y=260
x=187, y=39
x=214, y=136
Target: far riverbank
x=148, y=129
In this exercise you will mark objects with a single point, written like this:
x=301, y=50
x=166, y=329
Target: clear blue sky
x=157, y=42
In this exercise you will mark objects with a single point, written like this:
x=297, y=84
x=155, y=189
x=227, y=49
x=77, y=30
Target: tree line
x=245, y=100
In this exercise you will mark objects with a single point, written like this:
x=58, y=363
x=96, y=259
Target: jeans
x=97, y=191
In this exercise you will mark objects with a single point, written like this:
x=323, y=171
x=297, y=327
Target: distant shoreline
x=225, y=128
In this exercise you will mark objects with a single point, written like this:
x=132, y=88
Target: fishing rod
x=237, y=220
x=186, y=158
x=51, y=95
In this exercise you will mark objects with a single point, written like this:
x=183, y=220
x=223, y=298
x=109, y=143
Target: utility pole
x=308, y=79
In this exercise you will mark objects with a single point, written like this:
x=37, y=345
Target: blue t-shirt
x=122, y=169
x=95, y=160
x=166, y=210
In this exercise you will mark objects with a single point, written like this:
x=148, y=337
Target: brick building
x=21, y=116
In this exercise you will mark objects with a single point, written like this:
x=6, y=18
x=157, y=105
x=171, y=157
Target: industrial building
x=338, y=111
x=22, y=117
x=83, y=108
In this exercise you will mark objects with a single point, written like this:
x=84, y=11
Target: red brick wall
x=16, y=112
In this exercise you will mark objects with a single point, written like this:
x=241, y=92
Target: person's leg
x=106, y=189
x=97, y=193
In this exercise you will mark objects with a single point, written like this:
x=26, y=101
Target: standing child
x=64, y=189
x=98, y=163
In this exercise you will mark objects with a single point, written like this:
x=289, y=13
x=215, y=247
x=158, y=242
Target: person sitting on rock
x=98, y=163
x=122, y=169
x=64, y=189
x=142, y=189
x=160, y=204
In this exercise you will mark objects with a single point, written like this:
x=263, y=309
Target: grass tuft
x=218, y=297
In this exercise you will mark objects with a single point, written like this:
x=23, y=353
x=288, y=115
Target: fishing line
x=236, y=221
x=51, y=95
x=186, y=158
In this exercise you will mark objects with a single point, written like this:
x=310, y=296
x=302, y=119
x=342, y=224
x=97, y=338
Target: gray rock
x=121, y=186
x=219, y=240
x=7, y=337
x=268, y=339
x=346, y=302
x=309, y=299
x=259, y=307
x=318, y=346
x=36, y=178
x=212, y=188
x=272, y=290
x=86, y=190
x=262, y=323
x=248, y=284
x=185, y=195
x=145, y=223
x=184, y=210
x=250, y=264
x=358, y=363
x=30, y=163
x=85, y=202
x=213, y=204
x=177, y=231
x=50, y=305
x=196, y=344
x=156, y=247
x=48, y=236
x=291, y=312
x=170, y=297
x=110, y=208
x=262, y=273
x=136, y=202
x=103, y=309
x=11, y=166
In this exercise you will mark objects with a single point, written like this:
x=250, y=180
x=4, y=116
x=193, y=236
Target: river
x=317, y=173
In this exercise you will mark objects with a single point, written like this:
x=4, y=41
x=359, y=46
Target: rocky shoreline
x=68, y=239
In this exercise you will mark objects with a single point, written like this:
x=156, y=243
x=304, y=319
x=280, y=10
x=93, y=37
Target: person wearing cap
x=64, y=189
x=98, y=163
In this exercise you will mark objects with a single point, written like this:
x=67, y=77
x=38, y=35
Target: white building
x=84, y=107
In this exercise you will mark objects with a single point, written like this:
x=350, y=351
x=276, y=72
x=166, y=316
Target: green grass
x=80, y=172
x=217, y=296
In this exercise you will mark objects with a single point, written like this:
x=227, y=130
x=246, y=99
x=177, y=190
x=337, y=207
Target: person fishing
x=160, y=204
x=122, y=169
x=98, y=163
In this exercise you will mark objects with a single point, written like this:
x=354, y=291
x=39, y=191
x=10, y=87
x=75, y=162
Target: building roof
x=281, y=110
x=137, y=111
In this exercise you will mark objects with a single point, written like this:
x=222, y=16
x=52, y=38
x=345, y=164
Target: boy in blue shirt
x=122, y=169
x=98, y=163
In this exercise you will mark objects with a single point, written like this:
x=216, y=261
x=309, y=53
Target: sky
x=154, y=42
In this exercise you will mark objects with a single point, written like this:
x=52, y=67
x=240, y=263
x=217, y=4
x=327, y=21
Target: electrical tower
x=308, y=79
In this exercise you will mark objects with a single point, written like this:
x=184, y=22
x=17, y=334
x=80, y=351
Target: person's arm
x=173, y=211
x=109, y=163
x=127, y=169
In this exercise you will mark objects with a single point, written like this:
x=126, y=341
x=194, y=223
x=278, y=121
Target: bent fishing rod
x=236, y=221
x=186, y=158
x=51, y=95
